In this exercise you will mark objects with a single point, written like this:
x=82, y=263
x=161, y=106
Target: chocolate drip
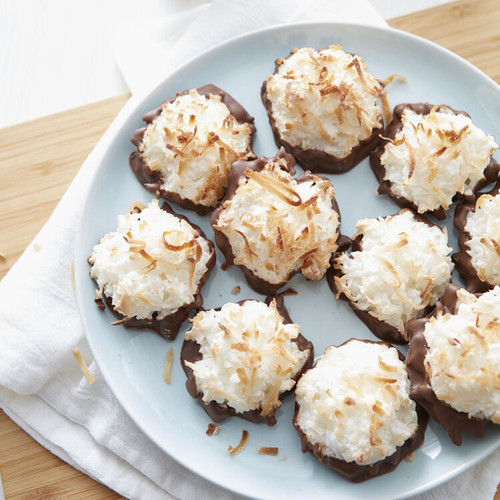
x=396, y=125
x=152, y=180
x=462, y=258
x=381, y=329
x=237, y=172
x=218, y=412
x=453, y=421
x=167, y=327
x=315, y=159
x=359, y=473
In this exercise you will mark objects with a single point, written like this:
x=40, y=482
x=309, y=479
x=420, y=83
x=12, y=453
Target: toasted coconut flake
x=386, y=108
x=167, y=367
x=73, y=275
x=427, y=290
x=234, y=451
x=279, y=188
x=150, y=267
x=136, y=207
x=247, y=244
x=268, y=450
x=135, y=245
x=390, y=78
x=177, y=248
x=212, y=429
x=385, y=366
x=120, y=321
x=236, y=290
x=83, y=366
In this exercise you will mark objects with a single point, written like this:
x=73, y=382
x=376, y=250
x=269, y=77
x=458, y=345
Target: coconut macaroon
x=398, y=267
x=244, y=358
x=273, y=226
x=453, y=361
x=431, y=156
x=151, y=269
x=185, y=152
x=322, y=108
x=353, y=410
x=478, y=260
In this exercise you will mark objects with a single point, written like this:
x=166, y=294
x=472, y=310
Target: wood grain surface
x=46, y=154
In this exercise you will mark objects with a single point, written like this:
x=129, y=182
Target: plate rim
x=116, y=128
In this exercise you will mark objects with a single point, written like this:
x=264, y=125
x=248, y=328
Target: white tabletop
x=57, y=54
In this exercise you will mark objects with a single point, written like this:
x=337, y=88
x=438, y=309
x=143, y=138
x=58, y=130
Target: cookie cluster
x=362, y=408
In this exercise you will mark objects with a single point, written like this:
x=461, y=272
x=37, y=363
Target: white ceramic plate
x=132, y=361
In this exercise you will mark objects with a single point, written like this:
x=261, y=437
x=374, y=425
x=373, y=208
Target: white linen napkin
x=212, y=23
x=41, y=386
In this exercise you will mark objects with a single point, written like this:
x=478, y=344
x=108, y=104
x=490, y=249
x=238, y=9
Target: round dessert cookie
x=243, y=358
x=322, y=108
x=453, y=361
x=185, y=151
x=150, y=271
x=353, y=411
x=273, y=226
x=396, y=270
x=478, y=223
x=431, y=156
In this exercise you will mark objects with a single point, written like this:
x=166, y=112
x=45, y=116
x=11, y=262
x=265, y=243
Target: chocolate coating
x=462, y=259
x=381, y=329
x=218, y=412
x=453, y=421
x=152, y=180
x=359, y=473
x=396, y=125
x=316, y=160
x=237, y=171
x=167, y=327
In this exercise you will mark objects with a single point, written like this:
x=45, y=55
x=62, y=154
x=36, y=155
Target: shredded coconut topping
x=463, y=356
x=403, y=267
x=324, y=100
x=192, y=143
x=484, y=245
x=152, y=263
x=354, y=403
x=436, y=156
x=249, y=358
x=276, y=225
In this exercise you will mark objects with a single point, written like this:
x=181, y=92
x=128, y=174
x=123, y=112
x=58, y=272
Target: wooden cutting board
x=39, y=159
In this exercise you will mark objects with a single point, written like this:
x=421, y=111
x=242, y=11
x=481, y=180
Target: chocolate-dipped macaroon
x=453, y=361
x=185, y=151
x=431, y=156
x=243, y=358
x=353, y=411
x=478, y=223
x=272, y=225
x=322, y=108
x=150, y=271
x=397, y=269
